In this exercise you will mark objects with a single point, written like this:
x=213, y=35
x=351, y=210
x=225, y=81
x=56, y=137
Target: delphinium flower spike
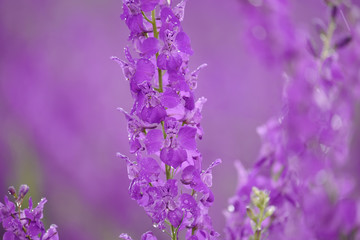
x=166, y=176
x=267, y=28
x=305, y=147
x=24, y=224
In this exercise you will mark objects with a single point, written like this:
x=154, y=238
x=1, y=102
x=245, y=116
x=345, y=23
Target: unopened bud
x=343, y=42
x=334, y=11
x=250, y=214
x=270, y=210
x=23, y=190
x=256, y=191
x=12, y=191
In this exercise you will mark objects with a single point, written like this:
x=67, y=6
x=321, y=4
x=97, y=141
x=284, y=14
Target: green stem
x=163, y=129
x=156, y=35
x=193, y=231
x=168, y=172
x=153, y=22
x=160, y=79
x=146, y=18
x=258, y=224
x=173, y=233
x=327, y=40
x=160, y=89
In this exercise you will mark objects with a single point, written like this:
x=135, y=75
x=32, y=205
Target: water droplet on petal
x=155, y=225
x=231, y=208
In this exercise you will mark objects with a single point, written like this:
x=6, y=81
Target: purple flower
x=148, y=236
x=27, y=223
x=133, y=18
x=175, y=41
x=301, y=151
x=175, y=217
x=164, y=122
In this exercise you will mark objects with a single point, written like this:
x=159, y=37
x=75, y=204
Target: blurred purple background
x=59, y=127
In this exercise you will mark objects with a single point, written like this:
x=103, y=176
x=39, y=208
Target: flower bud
x=269, y=211
x=23, y=190
x=12, y=191
x=343, y=42
x=334, y=12
x=251, y=214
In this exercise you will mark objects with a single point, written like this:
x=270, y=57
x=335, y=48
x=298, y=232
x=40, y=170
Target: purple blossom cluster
x=24, y=224
x=167, y=179
x=269, y=30
x=302, y=161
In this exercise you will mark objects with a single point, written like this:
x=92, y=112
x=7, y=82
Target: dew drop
x=231, y=208
x=155, y=225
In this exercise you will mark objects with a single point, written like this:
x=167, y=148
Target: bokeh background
x=59, y=127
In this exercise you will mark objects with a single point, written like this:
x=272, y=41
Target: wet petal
x=149, y=47
x=145, y=71
x=173, y=157
x=148, y=5
x=183, y=43
x=154, y=141
x=186, y=137
x=170, y=98
x=175, y=217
